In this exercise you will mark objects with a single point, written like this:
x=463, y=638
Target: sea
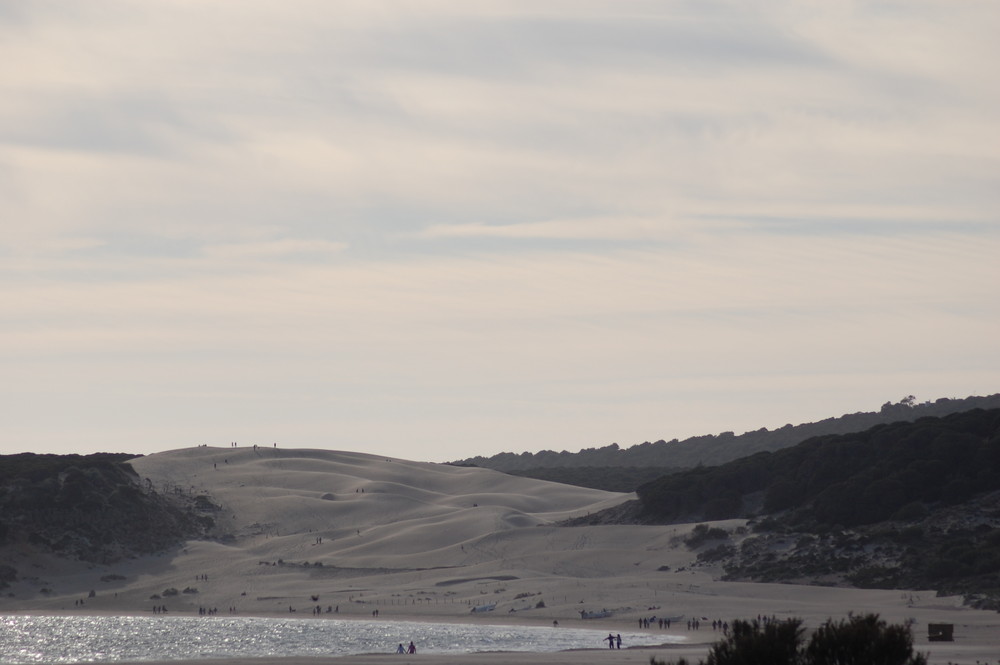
x=109, y=639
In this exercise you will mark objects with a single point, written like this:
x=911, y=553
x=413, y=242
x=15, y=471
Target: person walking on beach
x=400, y=648
x=412, y=649
x=610, y=639
x=618, y=641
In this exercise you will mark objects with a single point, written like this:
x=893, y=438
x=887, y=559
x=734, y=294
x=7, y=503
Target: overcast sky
x=442, y=229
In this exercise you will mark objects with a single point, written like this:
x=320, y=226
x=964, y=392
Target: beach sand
x=427, y=542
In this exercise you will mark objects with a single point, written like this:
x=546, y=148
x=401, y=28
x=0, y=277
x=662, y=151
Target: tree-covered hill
x=844, y=480
x=609, y=479
x=904, y=505
x=93, y=508
x=32, y=467
x=716, y=449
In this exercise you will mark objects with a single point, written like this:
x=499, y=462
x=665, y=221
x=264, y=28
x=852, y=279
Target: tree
x=862, y=639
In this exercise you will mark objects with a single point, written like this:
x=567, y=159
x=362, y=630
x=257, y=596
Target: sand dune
x=418, y=540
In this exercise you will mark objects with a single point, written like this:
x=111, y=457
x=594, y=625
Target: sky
x=435, y=230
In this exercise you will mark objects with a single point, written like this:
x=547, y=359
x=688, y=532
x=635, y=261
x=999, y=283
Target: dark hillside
x=725, y=447
x=609, y=479
x=844, y=480
x=906, y=505
x=29, y=466
x=93, y=508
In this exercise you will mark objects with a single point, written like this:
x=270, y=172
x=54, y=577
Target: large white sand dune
x=363, y=533
x=369, y=511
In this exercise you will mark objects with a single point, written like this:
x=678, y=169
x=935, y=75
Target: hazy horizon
x=439, y=230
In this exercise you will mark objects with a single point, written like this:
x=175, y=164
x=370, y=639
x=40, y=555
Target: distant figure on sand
x=618, y=641
x=413, y=648
x=400, y=648
x=610, y=639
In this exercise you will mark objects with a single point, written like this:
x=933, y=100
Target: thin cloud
x=595, y=228
x=286, y=249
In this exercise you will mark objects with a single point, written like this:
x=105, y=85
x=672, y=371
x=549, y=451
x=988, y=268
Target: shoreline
x=628, y=655
x=580, y=656
x=607, y=623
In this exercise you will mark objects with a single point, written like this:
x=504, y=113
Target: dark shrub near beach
x=856, y=640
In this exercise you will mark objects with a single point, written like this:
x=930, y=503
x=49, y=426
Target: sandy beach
x=355, y=535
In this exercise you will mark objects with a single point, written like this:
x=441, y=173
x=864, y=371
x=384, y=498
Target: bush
x=875, y=577
x=856, y=640
x=702, y=533
x=718, y=553
x=774, y=643
x=862, y=639
x=911, y=512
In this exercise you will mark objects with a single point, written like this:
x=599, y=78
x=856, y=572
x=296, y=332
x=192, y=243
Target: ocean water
x=109, y=639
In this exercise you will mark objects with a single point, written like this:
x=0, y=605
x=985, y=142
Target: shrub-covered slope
x=906, y=505
x=94, y=507
x=846, y=480
x=609, y=479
